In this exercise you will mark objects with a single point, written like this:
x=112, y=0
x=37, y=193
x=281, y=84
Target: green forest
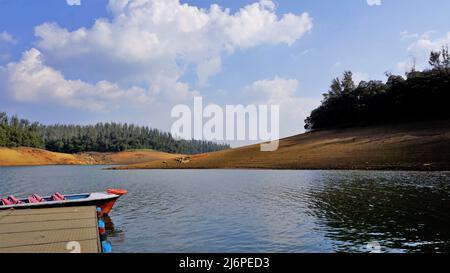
x=101, y=137
x=421, y=95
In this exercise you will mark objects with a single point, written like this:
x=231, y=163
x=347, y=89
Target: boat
x=103, y=200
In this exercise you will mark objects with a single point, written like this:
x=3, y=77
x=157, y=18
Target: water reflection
x=401, y=213
x=115, y=236
x=109, y=225
x=258, y=211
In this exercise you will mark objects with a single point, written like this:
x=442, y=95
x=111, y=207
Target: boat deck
x=50, y=230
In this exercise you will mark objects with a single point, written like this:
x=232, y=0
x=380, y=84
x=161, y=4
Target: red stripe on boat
x=107, y=206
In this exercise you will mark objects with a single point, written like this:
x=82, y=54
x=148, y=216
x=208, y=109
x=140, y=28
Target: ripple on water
x=259, y=211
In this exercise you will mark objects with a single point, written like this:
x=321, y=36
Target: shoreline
x=418, y=146
x=120, y=167
x=124, y=168
x=394, y=169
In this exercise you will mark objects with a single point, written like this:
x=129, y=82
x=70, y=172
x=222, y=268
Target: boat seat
x=14, y=200
x=31, y=199
x=58, y=197
x=35, y=198
x=38, y=197
x=6, y=202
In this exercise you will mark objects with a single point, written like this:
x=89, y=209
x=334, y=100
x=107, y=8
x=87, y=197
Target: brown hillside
x=24, y=156
x=414, y=146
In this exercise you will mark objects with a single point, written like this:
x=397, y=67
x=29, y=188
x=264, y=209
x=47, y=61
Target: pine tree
x=435, y=60
x=347, y=82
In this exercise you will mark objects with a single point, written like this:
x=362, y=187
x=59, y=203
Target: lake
x=259, y=210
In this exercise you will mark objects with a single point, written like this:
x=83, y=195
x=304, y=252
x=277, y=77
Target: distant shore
x=24, y=156
x=423, y=146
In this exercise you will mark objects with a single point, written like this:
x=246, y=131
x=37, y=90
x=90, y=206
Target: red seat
x=6, y=202
x=35, y=198
x=38, y=197
x=14, y=200
x=32, y=199
x=58, y=197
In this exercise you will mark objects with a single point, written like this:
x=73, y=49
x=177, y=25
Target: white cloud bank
x=155, y=40
x=426, y=44
x=30, y=80
x=139, y=56
x=420, y=48
x=283, y=92
x=7, y=37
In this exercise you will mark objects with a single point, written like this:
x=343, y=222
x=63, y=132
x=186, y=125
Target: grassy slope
x=127, y=157
x=414, y=146
x=30, y=157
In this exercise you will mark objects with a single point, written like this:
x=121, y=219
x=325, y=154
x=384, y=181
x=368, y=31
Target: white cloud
x=281, y=91
x=30, y=80
x=7, y=37
x=73, y=2
x=420, y=47
x=337, y=64
x=425, y=43
x=272, y=91
x=139, y=56
x=374, y=2
x=359, y=77
x=208, y=68
x=151, y=39
x=407, y=35
x=405, y=66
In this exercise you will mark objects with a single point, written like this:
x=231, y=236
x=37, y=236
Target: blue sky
x=123, y=80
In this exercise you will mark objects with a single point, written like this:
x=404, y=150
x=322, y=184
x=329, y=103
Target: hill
x=408, y=146
x=24, y=156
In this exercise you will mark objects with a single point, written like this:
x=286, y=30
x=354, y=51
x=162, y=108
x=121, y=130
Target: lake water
x=259, y=211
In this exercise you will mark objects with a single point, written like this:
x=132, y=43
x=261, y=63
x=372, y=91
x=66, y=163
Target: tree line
x=420, y=95
x=19, y=132
x=101, y=137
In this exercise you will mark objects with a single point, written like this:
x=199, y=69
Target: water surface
x=258, y=211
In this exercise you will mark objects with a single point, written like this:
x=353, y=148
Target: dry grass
x=414, y=146
x=30, y=156
x=23, y=156
x=127, y=157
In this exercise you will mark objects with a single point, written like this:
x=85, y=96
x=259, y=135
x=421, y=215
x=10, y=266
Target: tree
x=445, y=57
x=101, y=137
x=3, y=136
x=440, y=60
x=422, y=95
x=435, y=60
x=3, y=118
x=347, y=81
x=394, y=80
x=335, y=88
